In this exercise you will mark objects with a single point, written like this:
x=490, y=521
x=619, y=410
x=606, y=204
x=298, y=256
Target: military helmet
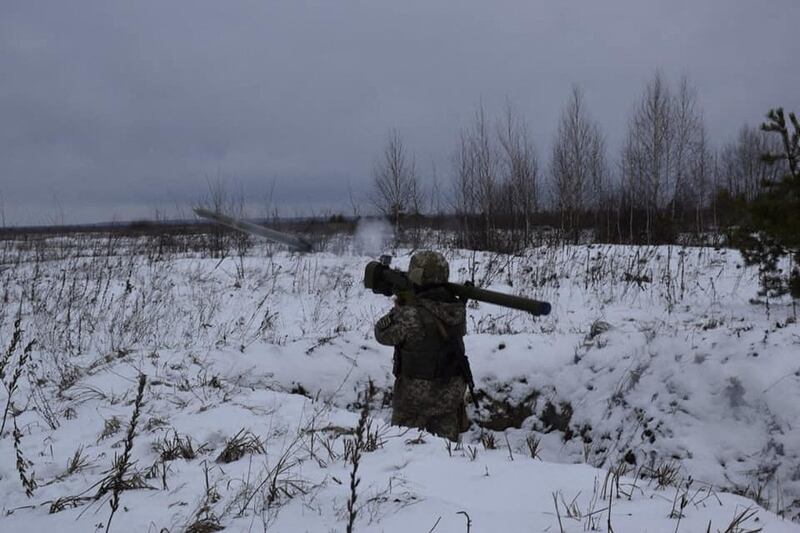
x=428, y=267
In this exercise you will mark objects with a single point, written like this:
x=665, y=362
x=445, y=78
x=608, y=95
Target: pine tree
x=773, y=229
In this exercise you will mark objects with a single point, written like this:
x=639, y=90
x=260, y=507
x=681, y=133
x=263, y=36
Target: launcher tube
x=534, y=307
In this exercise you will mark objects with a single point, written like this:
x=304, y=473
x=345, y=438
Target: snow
x=685, y=391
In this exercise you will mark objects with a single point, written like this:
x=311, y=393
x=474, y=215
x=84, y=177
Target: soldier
x=427, y=329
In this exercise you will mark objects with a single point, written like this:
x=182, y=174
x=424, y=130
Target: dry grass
x=175, y=447
x=13, y=383
x=359, y=442
x=90, y=299
x=77, y=462
x=666, y=474
x=534, y=446
x=488, y=440
x=23, y=465
x=208, y=524
x=241, y=444
x=205, y=521
x=738, y=522
x=111, y=426
x=69, y=502
x=117, y=482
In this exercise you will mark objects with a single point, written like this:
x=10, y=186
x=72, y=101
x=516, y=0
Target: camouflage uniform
x=428, y=389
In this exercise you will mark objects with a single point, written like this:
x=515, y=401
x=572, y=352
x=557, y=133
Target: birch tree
x=521, y=171
x=395, y=188
x=578, y=164
x=664, y=133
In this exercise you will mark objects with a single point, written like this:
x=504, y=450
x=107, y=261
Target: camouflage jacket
x=426, y=334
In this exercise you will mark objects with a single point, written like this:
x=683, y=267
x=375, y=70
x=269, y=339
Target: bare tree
x=355, y=208
x=687, y=129
x=484, y=157
x=435, y=198
x=464, y=202
x=478, y=188
x=702, y=173
x=578, y=165
x=495, y=181
x=646, y=153
x=742, y=166
x=269, y=208
x=663, y=137
x=395, y=181
x=220, y=200
x=521, y=171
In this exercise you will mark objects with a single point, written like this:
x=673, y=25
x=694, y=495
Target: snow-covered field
x=656, y=396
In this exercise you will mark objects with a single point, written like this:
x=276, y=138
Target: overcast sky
x=110, y=110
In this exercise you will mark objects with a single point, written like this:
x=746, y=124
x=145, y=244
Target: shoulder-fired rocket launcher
x=382, y=279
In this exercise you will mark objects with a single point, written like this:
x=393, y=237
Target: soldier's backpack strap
x=456, y=362
x=466, y=372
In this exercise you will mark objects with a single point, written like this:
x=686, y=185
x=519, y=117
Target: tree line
x=668, y=182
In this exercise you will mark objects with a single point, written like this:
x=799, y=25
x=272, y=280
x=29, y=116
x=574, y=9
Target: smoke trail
x=372, y=236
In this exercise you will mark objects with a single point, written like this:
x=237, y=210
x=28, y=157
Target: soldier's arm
x=393, y=328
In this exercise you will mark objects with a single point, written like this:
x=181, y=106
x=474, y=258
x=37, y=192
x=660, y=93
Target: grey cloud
x=114, y=107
